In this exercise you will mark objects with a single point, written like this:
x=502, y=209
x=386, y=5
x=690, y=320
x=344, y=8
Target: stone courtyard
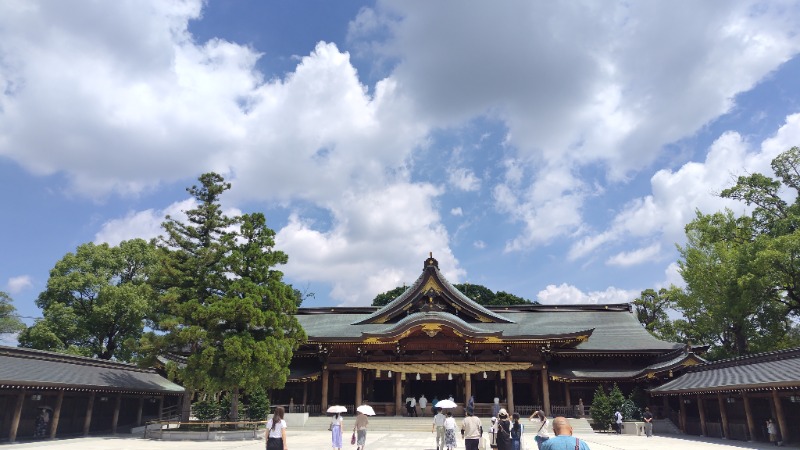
x=416, y=440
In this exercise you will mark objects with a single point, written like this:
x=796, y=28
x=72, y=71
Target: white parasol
x=366, y=409
x=445, y=404
x=337, y=409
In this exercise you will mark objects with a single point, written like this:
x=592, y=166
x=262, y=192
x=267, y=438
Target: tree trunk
x=235, y=405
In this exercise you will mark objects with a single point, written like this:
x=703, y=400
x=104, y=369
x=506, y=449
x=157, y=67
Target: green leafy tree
x=478, y=293
x=9, y=322
x=96, y=301
x=258, y=405
x=729, y=302
x=223, y=301
x=651, y=309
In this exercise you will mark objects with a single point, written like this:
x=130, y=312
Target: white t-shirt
x=413, y=402
x=618, y=415
x=423, y=401
x=335, y=421
x=542, y=428
x=438, y=420
x=276, y=432
x=450, y=423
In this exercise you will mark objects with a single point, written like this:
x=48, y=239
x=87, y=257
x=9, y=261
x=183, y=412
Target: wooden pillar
x=510, y=392
x=567, y=396
x=160, y=407
x=56, y=415
x=87, y=421
x=682, y=420
x=398, y=394
x=12, y=432
x=534, y=386
x=467, y=388
x=782, y=426
x=723, y=415
x=359, y=384
x=702, y=409
x=336, y=382
x=324, y=402
x=139, y=412
x=751, y=424
x=115, y=417
x=545, y=392
x=665, y=407
x=305, y=394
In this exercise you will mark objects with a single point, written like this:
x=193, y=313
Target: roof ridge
x=29, y=353
x=775, y=355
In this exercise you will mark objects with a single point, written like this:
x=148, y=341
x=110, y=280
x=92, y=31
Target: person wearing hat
x=503, y=430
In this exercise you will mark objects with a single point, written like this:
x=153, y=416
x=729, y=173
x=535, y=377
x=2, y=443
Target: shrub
x=206, y=410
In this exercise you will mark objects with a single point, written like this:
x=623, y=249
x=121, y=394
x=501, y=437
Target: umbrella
x=445, y=404
x=337, y=409
x=366, y=409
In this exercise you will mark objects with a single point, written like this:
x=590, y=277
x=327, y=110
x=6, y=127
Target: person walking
x=543, y=433
x=276, y=435
x=563, y=439
x=337, y=431
x=449, y=431
x=413, y=408
x=423, y=402
x=471, y=430
x=360, y=429
x=496, y=407
x=772, y=430
x=438, y=427
x=516, y=432
x=618, y=422
x=503, y=430
x=471, y=404
x=648, y=422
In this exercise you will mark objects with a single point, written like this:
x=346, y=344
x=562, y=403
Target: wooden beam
x=783, y=427
x=682, y=413
x=139, y=412
x=359, y=386
x=510, y=392
x=56, y=415
x=702, y=409
x=723, y=415
x=324, y=401
x=467, y=388
x=12, y=432
x=87, y=421
x=398, y=394
x=567, y=397
x=751, y=424
x=115, y=417
x=545, y=392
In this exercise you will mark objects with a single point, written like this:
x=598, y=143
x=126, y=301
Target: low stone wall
x=174, y=435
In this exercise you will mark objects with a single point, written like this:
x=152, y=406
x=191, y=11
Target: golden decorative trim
x=442, y=367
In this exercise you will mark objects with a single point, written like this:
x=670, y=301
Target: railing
x=714, y=429
x=311, y=409
x=170, y=412
x=738, y=431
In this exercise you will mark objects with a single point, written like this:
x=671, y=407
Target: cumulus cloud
x=458, y=212
x=586, y=85
x=19, y=284
x=141, y=224
x=565, y=294
x=463, y=179
x=638, y=256
x=378, y=241
x=480, y=245
x=676, y=195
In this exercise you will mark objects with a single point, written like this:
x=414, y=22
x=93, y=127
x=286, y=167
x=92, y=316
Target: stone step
x=379, y=423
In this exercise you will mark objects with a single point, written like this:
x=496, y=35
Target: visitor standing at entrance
x=423, y=402
x=413, y=409
x=276, y=437
x=361, y=429
x=773, y=432
x=496, y=407
x=543, y=433
x=337, y=431
x=563, y=439
x=471, y=430
x=503, y=430
x=516, y=432
x=438, y=427
x=450, y=431
x=648, y=422
x=471, y=404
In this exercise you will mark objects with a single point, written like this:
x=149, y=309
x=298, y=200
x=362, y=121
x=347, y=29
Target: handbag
x=330, y=427
x=353, y=439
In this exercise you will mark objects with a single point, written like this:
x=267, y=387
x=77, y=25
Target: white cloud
x=463, y=179
x=676, y=195
x=378, y=241
x=480, y=245
x=672, y=277
x=565, y=294
x=586, y=84
x=638, y=256
x=18, y=284
x=141, y=224
x=458, y=212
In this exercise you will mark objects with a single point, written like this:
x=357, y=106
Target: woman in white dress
x=276, y=431
x=337, y=431
x=450, y=431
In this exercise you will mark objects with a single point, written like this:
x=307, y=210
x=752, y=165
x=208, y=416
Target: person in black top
x=503, y=430
x=648, y=422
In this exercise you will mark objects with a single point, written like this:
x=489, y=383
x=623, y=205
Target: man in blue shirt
x=563, y=439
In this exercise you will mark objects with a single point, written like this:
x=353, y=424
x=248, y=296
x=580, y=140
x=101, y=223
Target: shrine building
x=434, y=340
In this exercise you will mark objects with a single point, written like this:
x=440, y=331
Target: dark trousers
x=275, y=444
x=471, y=444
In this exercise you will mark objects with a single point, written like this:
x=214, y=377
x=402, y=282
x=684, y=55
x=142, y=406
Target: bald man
x=563, y=439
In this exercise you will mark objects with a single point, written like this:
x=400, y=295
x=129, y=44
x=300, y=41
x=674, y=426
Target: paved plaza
x=320, y=440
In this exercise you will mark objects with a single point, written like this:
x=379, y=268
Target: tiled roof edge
x=18, y=352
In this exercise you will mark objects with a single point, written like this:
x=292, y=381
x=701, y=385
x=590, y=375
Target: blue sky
x=552, y=150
